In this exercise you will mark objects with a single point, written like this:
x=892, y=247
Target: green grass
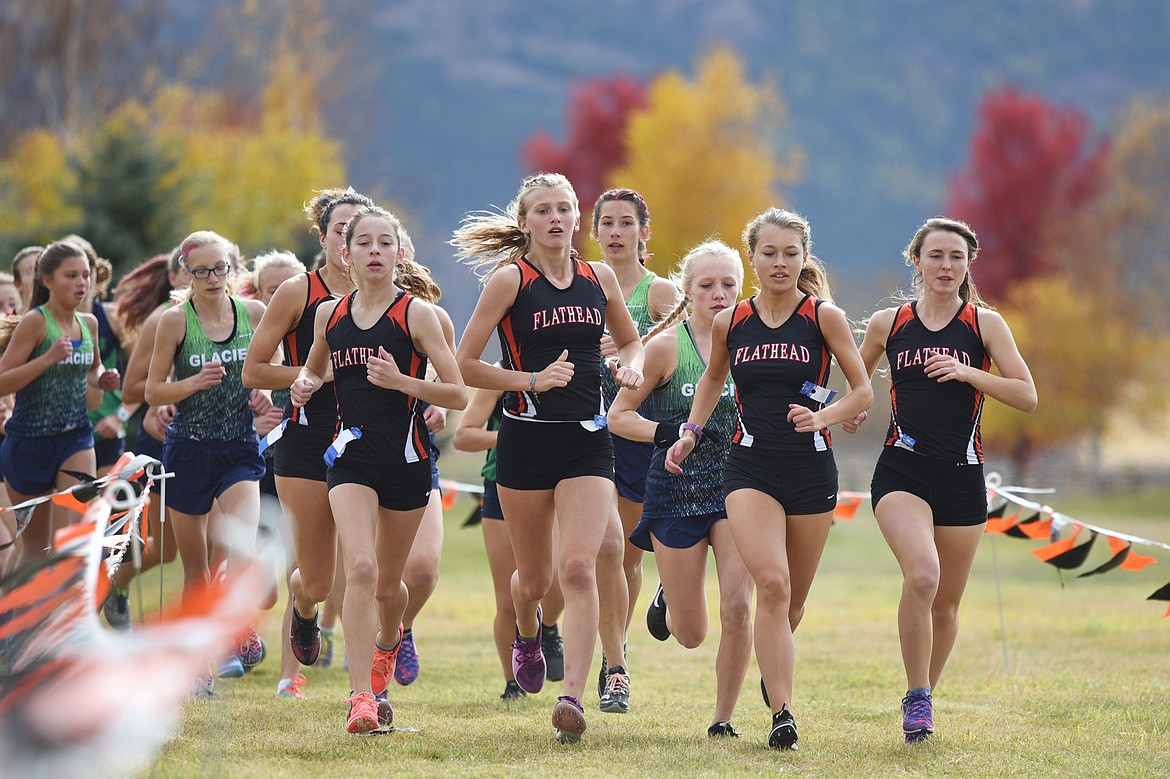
x=1085, y=690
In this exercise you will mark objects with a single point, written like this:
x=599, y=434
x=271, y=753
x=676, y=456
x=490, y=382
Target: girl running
x=621, y=226
x=49, y=359
x=928, y=491
x=211, y=446
x=378, y=341
x=684, y=515
x=299, y=467
x=477, y=433
x=780, y=480
x=553, y=454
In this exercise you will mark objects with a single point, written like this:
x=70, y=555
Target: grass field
x=1084, y=689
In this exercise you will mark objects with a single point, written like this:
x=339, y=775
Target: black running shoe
x=783, y=735
x=616, y=697
x=656, y=615
x=720, y=729
x=305, y=638
x=513, y=692
x=554, y=653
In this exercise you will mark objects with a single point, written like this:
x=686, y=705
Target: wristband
x=122, y=414
x=698, y=431
x=532, y=382
x=665, y=435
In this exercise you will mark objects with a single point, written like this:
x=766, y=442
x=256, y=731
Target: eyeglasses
x=203, y=273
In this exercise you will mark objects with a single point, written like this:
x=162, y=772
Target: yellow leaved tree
x=1082, y=353
x=703, y=155
x=35, y=177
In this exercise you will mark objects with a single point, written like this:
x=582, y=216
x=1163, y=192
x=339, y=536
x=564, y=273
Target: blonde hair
x=967, y=291
x=812, y=280
x=408, y=274
x=489, y=240
x=684, y=275
x=196, y=240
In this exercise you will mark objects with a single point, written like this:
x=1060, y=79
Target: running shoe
x=325, y=659
x=656, y=615
x=513, y=692
x=383, y=669
x=917, y=716
x=231, y=668
x=721, y=729
x=783, y=735
x=528, y=661
x=291, y=688
x=305, y=638
x=616, y=699
x=406, y=666
x=117, y=608
x=203, y=686
x=569, y=719
x=363, y=713
x=385, y=710
x=250, y=649
x=554, y=652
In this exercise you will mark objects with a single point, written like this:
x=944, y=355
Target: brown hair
x=489, y=240
x=320, y=208
x=640, y=209
x=967, y=291
x=141, y=291
x=812, y=280
x=48, y=261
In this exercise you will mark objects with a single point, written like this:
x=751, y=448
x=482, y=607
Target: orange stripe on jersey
x=585, y=269
x=528, y=273
x=290, y=348
x=902, y=318
x=970, y=317
x=743, y=310
x=808, y=309
x=339, y=311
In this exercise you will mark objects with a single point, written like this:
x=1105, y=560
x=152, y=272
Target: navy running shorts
x=491, y=508
x=674, y=532
x=631, y=461
x=30, y=465
x=204, y=470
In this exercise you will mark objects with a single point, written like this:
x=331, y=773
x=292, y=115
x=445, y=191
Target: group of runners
x=627, y=413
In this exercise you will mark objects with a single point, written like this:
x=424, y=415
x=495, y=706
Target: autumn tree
x=703, y=155
x=598, y=113
x=125, y=192
x=1035, y=170
x=1135, y=206
x=69, y=63
x=35, y=181
x=1066, y=337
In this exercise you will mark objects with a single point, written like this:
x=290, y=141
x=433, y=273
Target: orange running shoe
x=384, y=661
x=363, y=713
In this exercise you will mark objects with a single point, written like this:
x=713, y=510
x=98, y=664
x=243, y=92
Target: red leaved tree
x=1033, y=193
x=596, y=144
x=1034, y=170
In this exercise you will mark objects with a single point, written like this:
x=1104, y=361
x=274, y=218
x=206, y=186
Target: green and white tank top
x=638, y=304
x=54, y=402
x=219, y=413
